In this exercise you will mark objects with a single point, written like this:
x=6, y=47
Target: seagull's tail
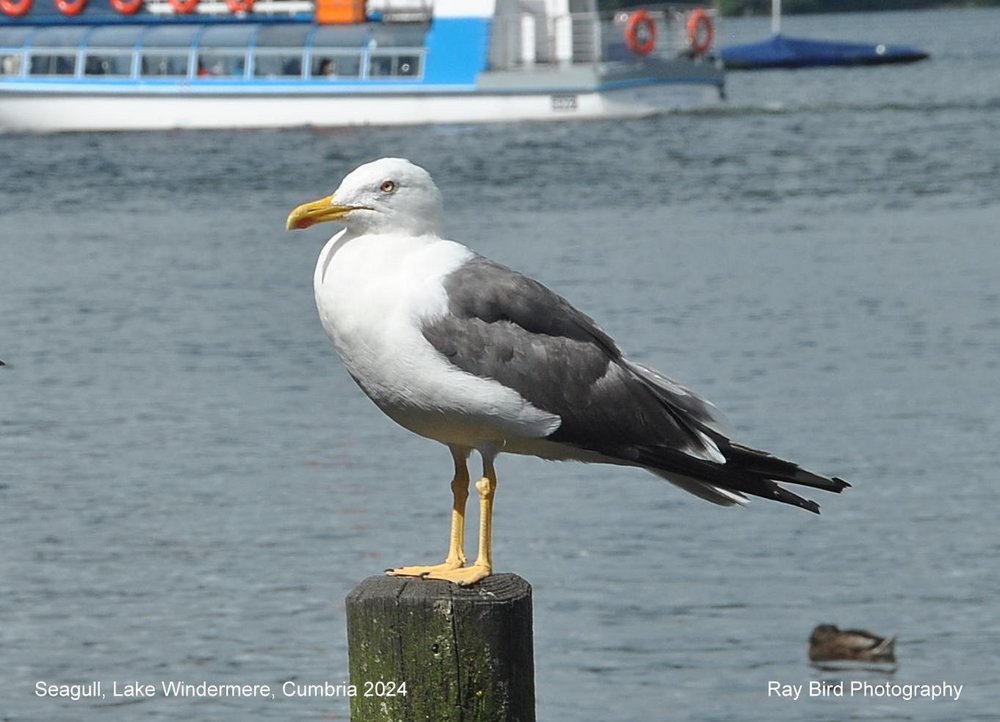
x=747, y=471
x=764, y=464
x=709, y=465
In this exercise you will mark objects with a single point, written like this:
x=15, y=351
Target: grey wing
x=485, y=290
x=505, y=326
x=705, y=412
x=508, y=327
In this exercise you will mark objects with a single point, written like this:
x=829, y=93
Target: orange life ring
x=127, y=7
x=183, y=7
x=700, y=31
x=15, y=8
x=640, y=33
x=71, y=7
x=239, y=6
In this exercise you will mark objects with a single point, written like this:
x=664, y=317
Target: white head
x=389, y=195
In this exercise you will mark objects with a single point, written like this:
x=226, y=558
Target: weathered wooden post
x=465, y=654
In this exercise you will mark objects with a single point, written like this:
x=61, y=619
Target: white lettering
x=174, y=688
x=821, y=688
x=323, y=689
x=133, y=690
x=74, y=692
x=777, y=689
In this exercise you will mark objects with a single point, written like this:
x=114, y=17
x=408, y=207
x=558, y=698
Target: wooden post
x=465, y=654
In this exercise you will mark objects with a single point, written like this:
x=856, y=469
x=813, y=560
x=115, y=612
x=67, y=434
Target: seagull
x=465, y=351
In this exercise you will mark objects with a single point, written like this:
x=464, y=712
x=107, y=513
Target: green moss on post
x=464, y=653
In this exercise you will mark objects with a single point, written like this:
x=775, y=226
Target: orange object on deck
x=331, y=12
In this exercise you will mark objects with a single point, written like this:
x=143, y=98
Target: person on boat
x=204, y=72
x=10, y=65
x=327, y=67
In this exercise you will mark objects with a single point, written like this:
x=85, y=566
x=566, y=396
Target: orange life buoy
x=183, y=7
x=127, y=7
x=71, y=7
x=640, y=33
x=239, y=6
x=700, y=31
x=15, y=8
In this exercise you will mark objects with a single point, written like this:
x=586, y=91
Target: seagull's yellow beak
x=308, y=214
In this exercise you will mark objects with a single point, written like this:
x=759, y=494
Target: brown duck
x=827, y=643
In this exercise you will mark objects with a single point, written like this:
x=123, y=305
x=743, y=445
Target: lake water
x=190, y=484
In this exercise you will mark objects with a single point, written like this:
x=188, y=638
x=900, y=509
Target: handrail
x=524, y=39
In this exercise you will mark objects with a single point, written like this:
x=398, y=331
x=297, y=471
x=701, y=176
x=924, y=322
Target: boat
x=783, y=52
x=95, y=65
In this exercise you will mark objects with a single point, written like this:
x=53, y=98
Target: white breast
x=372, y=293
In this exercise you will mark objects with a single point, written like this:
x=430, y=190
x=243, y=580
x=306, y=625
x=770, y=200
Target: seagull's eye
x=387, y=186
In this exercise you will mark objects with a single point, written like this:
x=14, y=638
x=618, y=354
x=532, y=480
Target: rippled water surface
x=190, y=484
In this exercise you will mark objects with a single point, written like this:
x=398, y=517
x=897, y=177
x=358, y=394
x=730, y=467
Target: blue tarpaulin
x=782, y=52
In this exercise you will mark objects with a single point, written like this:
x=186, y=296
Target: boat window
x=222, y=65
x=107, y=62
x=408, y=64
x=170, y=36
x=114, y=36
x=59, y=37
x=341, y=36
x=13, y=37
x=227, y=36
x=165, y=65
x=49, y=62
x=222, y=51
x=384, y=64
x=11, y=64
x=334, y=65
x=283, y=36
x=278, y=65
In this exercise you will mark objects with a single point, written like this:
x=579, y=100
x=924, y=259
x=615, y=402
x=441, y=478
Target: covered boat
x=130, y=64
x=783, y=52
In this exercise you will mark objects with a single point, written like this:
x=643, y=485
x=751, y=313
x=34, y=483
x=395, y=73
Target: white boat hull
x=72, y=110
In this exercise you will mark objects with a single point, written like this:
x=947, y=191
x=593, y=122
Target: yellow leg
x=456, y=544
x=483, y=566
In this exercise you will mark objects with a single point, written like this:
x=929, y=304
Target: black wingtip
x=841, y=485
x=812, y=506
x=780, y=493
